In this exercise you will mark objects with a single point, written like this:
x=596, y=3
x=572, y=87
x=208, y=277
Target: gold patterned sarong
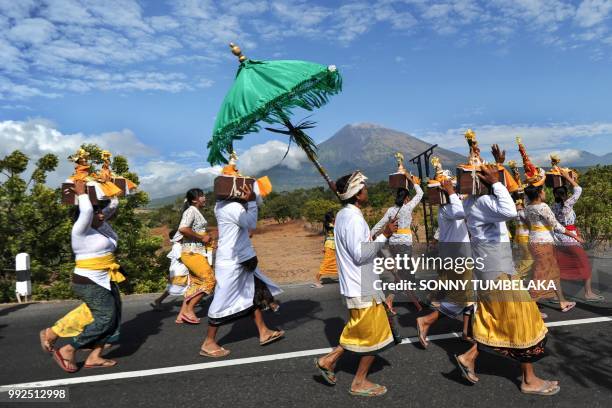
x=507, y=319
x=201, y=275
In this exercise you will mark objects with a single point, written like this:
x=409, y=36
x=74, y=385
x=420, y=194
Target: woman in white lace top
x=572, y=259
x=542, y=223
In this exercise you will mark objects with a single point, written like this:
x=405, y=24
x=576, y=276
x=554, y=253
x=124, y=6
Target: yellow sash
x=404, y=231
x=540, y=228
x=522, y=239
x=105, y=262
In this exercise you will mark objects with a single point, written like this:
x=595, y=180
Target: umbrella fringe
x=310, y=94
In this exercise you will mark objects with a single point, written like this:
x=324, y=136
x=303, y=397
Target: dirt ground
x=287, y=253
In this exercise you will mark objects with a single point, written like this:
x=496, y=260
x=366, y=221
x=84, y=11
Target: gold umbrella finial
x=237, y=52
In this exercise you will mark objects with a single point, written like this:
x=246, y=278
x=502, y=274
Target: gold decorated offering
x=402, y=178
x=554, y=177
x=229, y=185
x=102, y=185
x=468, y=181
x=435, y=194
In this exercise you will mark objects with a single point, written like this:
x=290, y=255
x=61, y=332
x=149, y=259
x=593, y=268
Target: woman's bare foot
x=210, y=347
x=47, y=339
x=470, y=366
x=566, y=306
x=98, y=361
x=67, y=354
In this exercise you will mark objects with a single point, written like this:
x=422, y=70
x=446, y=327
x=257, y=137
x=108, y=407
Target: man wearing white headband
x=367, y=331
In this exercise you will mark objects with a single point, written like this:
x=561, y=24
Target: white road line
x=240, y=361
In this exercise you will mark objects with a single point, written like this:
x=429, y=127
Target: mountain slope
x=367, y=147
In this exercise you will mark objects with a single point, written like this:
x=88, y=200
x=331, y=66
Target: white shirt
x=451, y=221
x=351, y=231
x=404, y=218
x=234, y=221
x=88, y=242
x=486, y=215
x=486, y=218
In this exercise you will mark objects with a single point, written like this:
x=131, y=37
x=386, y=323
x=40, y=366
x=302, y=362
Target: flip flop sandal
x=277, y=335
x=105, y=364
x=422, y=340
x=328, y=375
x=569, y=307
x=187, y=319
x=215, y=354
x=547, y=389
x=370, y=392
x=61, y=361
x=465, y=371
x=156, y=306
x=597, y=298
x=45, y=344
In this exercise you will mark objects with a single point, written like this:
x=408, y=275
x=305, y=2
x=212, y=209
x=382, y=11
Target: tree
x=314, y=210
x=594, y=208
x=32, y=219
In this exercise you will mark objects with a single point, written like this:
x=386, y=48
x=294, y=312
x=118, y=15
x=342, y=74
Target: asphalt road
x=580, y=357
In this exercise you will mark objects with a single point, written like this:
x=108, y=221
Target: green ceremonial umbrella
x=267, y=91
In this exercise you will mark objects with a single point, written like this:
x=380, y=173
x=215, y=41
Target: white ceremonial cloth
x=235, y=284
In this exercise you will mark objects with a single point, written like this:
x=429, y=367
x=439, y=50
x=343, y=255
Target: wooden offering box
x=229, y=187
x=436, y=195
x=465, y=182
x=556, y=180
x=69, y=198
x=399, y=180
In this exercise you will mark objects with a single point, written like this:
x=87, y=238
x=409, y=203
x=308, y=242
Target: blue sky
x=145, y=78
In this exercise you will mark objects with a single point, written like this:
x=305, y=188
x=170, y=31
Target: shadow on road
x=6, y=310
x=245, y=328
x=135, y=332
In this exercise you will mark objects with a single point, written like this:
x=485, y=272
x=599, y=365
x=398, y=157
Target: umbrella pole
x=322, y=171
x=298, y=135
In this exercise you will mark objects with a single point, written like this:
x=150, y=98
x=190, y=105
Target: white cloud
x=592, y=12
x=261, y=157
x=567, y=156
x=32, y=31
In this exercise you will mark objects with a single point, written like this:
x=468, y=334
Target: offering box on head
x=467, y=185
x=556, y=180
x=436, y=195
x=229, y=187
x=399, y=180
x=70, y=198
